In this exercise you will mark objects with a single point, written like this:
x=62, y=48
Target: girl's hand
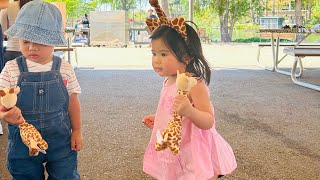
x=12, y=116
x=182, y=105
x=76, y=140
x=149, y=121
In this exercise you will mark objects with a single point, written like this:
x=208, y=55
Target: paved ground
x=272, y=124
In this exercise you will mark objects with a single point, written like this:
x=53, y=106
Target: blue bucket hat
x=39, y=22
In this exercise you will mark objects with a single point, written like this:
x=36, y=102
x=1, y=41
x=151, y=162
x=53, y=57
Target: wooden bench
x=62, y=49
x=67, y=49
x=289, y=36
x=275, y=52
x=298, y=53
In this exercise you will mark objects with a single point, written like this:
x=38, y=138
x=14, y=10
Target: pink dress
x=203, y=153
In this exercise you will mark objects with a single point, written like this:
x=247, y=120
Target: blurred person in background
x=151, y=15
x=86, y=24
x=3, y=4
x=7, y=18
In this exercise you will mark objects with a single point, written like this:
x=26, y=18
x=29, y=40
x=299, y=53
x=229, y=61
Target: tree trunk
x=298, y=12
x=225, y=37
x=233, y=21
x=278, y=10
x=266, y=10
x=298, y=15
x=273, y=12
x=124, y=3
x=309, y=9
x=224, y=30
x=260, y=11
x=253, y=20
x=289, y=4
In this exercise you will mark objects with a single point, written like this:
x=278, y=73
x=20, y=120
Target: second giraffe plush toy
x=171, y=135
x=29, y=134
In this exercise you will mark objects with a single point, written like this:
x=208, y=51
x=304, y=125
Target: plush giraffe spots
x=171, y=135
x=29, y=134
x=32, y=138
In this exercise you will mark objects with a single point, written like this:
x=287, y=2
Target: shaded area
x=272, y=124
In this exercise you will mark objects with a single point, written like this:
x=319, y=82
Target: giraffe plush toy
x=29, y=134
x=171, y=135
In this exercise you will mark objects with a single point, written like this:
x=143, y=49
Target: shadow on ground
x=272, y=124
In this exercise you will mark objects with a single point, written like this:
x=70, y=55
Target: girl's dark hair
x=23, y=2
x=180, y=47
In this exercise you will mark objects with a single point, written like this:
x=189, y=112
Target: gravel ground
x=272, y=124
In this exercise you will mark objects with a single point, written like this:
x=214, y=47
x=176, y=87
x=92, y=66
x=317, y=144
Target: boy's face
x=35, y=52
x=4, y=4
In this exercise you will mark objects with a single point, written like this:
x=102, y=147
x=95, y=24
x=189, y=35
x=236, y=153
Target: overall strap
x=22, y=64
x=56, y=63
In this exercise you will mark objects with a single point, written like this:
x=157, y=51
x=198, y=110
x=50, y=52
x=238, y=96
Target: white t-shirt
x=10, y=74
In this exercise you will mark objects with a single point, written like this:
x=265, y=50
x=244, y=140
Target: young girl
x=48, y=98
x=204, y=154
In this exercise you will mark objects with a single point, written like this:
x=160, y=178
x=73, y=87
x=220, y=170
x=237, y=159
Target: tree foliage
x=119, y=4
x=223, y=14
x=77, y=8
x=229, y=12
x=315, y=18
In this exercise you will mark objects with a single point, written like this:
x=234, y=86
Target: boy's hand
x=182, y=105
x=12, y=116
x=76, y=140
x=149, y=121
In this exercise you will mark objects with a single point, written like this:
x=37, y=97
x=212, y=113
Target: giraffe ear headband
x=178, y=23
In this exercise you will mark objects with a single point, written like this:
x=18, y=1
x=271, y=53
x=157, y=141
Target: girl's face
x=164, y=62
x=35, y=52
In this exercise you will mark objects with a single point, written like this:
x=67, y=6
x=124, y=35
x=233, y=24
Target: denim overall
x=44, y=102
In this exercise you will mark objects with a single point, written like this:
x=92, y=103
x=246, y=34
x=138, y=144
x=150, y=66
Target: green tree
x=229, y=12
x=119, y=4
x=77, y=8
x=315, y=17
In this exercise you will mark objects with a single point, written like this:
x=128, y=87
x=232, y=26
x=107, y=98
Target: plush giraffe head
x=9, y=96
x=185, y=81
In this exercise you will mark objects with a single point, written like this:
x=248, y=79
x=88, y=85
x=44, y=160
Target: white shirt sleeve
x=9, y=75
x=69, y=78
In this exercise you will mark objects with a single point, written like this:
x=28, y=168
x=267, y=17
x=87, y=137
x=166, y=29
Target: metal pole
x=191, y=10
x=69, y=42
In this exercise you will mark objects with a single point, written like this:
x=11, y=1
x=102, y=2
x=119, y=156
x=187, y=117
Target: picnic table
x=297, y=49
x=71, y=46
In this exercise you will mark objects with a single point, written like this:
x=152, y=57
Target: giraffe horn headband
x=177, y=23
